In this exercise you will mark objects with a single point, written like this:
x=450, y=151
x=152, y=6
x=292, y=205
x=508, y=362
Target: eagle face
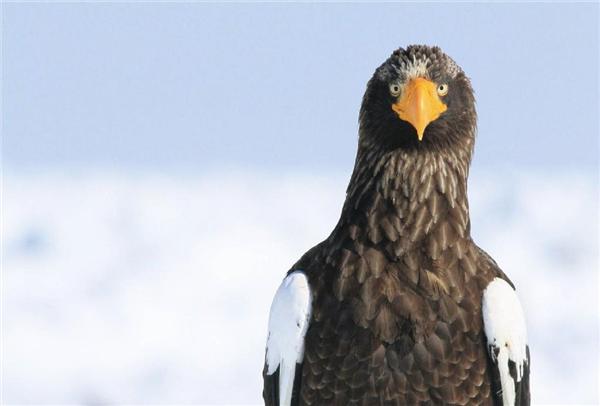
x=418, y=99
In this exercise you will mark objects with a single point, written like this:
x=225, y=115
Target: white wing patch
x=288, y=322
x=504, y=325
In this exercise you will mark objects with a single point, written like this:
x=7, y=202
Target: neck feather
x=402, y=200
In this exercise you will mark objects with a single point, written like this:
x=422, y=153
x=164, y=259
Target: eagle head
x=419, y=98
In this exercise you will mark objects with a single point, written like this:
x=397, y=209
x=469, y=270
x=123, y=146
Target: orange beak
x=419, y=104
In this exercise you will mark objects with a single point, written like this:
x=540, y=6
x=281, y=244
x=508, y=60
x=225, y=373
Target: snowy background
x=151, y=288
x=164, y=165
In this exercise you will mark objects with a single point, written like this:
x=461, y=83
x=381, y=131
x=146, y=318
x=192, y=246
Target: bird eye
x=442, y=89
x=395, y=89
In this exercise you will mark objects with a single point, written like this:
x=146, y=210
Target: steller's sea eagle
x=398, y=306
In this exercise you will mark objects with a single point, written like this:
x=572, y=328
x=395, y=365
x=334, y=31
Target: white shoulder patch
x=288, y=322
x=504, y=325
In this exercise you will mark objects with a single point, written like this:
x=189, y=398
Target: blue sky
x=278, y=86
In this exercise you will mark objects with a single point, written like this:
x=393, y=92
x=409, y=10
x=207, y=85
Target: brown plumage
x=397, y=286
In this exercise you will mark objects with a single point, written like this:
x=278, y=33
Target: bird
x=399, y=306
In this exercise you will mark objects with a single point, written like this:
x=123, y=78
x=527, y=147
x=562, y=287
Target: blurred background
x=164, y=164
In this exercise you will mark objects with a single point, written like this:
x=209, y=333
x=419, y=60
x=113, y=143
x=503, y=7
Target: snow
x=142, y=287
